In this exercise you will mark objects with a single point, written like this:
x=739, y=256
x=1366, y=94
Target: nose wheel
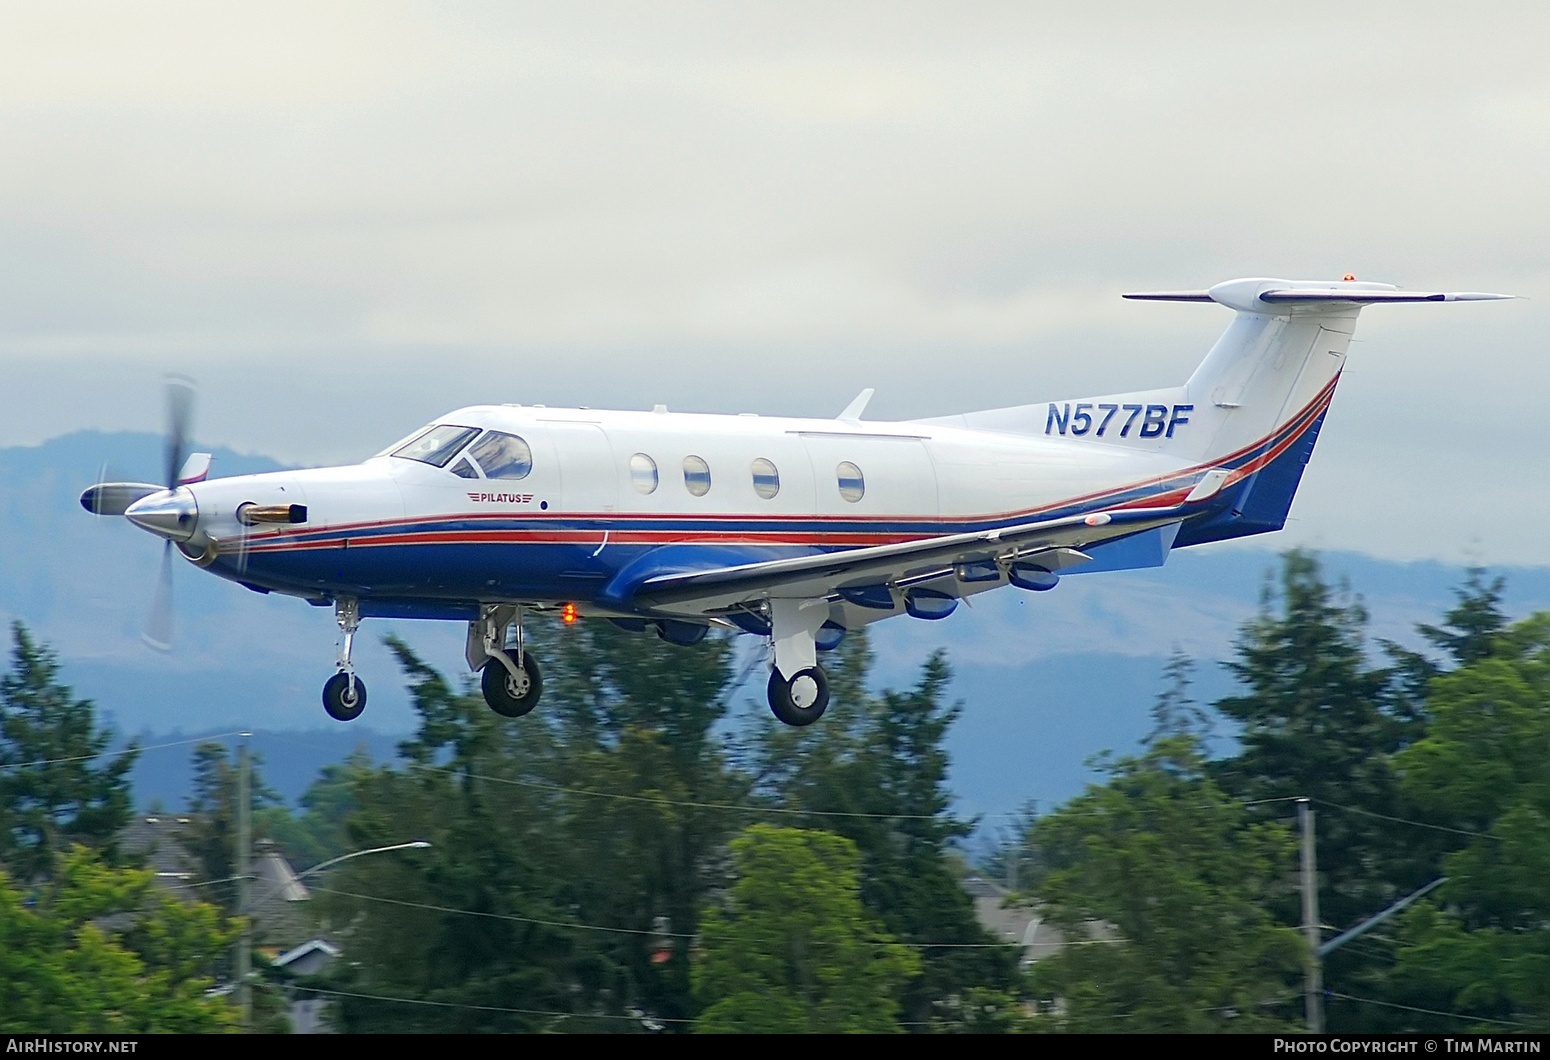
x=344, y=697
x=344, y=694
x=801, y=699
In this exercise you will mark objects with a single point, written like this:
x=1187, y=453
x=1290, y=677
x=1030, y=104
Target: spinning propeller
x=165, y=510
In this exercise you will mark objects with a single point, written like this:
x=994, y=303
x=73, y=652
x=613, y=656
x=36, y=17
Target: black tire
x=509, y=696
x=782, y=705
x=339, y=701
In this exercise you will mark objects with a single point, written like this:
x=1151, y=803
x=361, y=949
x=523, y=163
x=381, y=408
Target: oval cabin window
x=852, y=485
x=643, y=473
x=766, y=480
x=696, y=476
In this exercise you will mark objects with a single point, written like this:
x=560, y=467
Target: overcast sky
x=346, y=219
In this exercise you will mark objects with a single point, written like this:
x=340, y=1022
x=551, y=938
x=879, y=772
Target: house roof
x=311, y=946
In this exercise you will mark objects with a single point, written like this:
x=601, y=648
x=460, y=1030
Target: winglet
x=852, y=413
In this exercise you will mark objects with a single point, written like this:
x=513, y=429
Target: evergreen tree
x=874, y=770
x=1176, y=713
x=1473, y=626
x=792, y=950
x=57, y=785
x=1314, y=720
x=1480, y=945
x=572, y=849
x=210, y=836
x=469, y=932
x=318, y=833
x=1468, y=633
x=632, y=722
x=1160, y=883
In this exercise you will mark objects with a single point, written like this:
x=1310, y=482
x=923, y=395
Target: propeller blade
x=158, y=621
x=241, y=551
x=180, y=419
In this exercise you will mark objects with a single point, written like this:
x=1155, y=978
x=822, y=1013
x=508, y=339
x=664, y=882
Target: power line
x=501, y=916
x=729, y=807
x=574, y=925
x=117, y=754
x=1427, y=1011
x=560, y=789
x=1402, y=820
x=493, y=1008
x=642, y=1017
x=655, y=800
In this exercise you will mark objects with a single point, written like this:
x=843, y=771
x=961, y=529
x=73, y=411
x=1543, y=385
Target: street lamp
x=416, y=844
x=245, y=945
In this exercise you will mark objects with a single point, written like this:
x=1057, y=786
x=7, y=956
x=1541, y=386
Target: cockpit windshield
x=503, y=455
x=436, y=446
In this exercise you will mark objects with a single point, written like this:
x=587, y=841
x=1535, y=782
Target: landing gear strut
x=344, y=694
x=511, y=681
x=798, y=689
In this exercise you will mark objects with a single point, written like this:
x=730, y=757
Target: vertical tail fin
x=1260, y=395
x=1254, y=405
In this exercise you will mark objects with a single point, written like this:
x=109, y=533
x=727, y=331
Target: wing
x=1054, y=544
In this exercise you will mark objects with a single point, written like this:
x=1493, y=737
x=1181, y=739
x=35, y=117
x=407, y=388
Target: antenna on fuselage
x=852, y=413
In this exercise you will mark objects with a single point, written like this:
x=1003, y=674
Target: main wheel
x=341, y=701
x=512, y=695
x=801, y=700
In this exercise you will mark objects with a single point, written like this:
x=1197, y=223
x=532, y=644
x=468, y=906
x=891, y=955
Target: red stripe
x=285, y=540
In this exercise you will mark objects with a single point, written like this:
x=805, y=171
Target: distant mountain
x=1048, y=679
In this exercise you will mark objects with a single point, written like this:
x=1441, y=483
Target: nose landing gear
x=344, y=694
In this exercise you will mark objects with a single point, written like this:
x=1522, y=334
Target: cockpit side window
x=438, y=445
x=502, y=456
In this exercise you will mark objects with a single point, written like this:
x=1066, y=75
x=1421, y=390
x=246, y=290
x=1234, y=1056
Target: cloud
x=764, y=207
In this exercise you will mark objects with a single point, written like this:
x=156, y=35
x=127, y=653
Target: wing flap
x=816, y=576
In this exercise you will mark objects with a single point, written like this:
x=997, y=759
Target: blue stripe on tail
x=1259, y=504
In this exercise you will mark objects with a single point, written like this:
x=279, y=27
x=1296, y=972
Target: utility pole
x=1313, y=978
x=244, y=888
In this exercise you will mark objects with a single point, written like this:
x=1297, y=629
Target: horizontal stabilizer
x=1374, y=297
x=1170, y=296
x=1251, y=296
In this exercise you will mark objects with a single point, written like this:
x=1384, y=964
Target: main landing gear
x=511, y=681
x=798, y=689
